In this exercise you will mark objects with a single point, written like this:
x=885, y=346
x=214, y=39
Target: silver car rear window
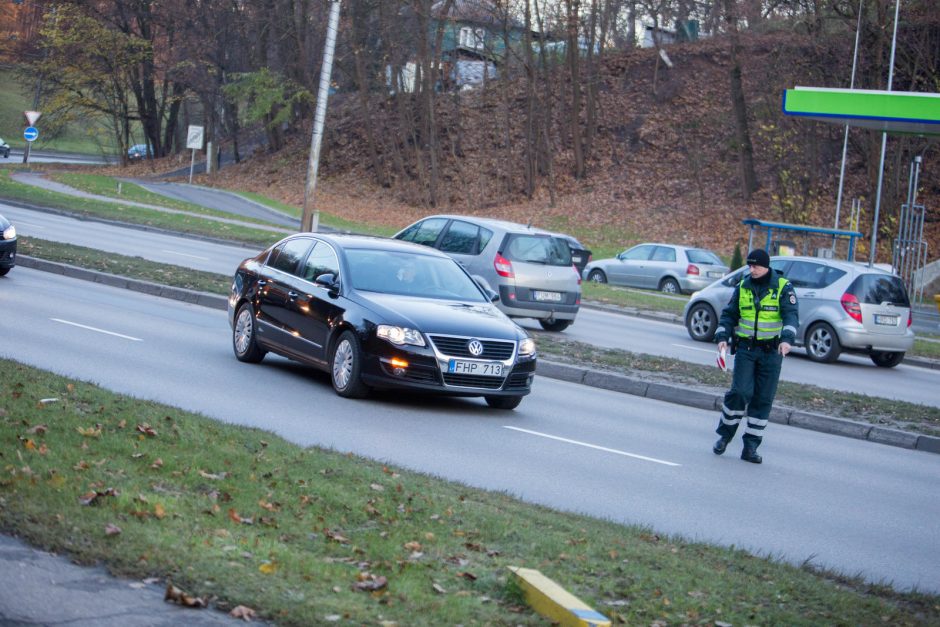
x=542, y=249
x=874, y=289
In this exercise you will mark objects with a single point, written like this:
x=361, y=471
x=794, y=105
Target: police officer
x=762, y=316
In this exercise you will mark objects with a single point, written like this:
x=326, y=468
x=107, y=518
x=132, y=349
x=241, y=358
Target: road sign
x=31, y=134
x=194, y=137
x=32, y=117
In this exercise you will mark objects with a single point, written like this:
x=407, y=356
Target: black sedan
x=7, y=246
x=379, y=313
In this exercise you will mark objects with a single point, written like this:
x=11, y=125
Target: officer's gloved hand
x=784, y=348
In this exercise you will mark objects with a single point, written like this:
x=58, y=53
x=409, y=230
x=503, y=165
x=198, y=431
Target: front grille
x=457, y=347
x=418, y=374
x=473, y=381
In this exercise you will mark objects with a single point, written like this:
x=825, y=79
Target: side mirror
x=485, y=286
x=328, y=281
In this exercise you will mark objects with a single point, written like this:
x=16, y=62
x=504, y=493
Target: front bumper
x=7, y=253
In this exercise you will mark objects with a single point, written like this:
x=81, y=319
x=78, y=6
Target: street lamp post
x=310, y=218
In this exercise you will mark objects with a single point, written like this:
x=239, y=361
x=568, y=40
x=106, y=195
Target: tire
x=3, y=271
x=701, y=322
x=597, y=276
x=822, y=343
x=244, y=336
x=885, y=359
x=555, y=325
x=346, y=367
x=669, y=286
x=503, y=402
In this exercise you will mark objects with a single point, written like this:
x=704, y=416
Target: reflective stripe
x=731, y=412
x=790, y=329
x=730, y=421
x=757, y=422
x=719, y=330
x=755, y=432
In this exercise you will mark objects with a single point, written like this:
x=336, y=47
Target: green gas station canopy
x=892, y=111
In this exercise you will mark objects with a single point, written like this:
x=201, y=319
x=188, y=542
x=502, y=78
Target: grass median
x=876, y=410
x=238, y=516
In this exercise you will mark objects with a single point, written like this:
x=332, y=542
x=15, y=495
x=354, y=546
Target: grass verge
x=310, y=536
x=875, y=410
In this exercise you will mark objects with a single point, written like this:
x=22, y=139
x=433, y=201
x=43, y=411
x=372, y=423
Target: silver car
x=665, y=267
x=530, y=269
x=844, y=307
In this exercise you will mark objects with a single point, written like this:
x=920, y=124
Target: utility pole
x=310, y=219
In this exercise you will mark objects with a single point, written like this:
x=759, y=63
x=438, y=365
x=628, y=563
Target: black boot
x=720, y=446
x=749, y=454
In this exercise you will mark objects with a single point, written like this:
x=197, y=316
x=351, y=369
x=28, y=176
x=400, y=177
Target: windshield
x=410, y=274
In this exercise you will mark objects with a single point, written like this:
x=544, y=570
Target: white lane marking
x=75, y=324
x=696, y=348
x=31, y=225
x=594, y=446
x=173, y=252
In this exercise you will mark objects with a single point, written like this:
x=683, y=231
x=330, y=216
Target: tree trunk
x=739, y=105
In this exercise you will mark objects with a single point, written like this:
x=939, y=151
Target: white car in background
x=844, y=307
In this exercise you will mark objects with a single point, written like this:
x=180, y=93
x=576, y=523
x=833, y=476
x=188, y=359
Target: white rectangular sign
x=194, y=137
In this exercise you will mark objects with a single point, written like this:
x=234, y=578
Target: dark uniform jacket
x=789, y=312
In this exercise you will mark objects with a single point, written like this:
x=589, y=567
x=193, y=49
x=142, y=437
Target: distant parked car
x=4, y=149
x=665, y=267
x=530, y=269
x=138, y=152
x=377, y=313
x=7, y=246
x=580, y=255
x=844, y=307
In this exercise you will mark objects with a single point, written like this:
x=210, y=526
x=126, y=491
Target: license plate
x=554, y=297
x=891, y=321
x=715, y=275
x=575, y=259
x=479, y=368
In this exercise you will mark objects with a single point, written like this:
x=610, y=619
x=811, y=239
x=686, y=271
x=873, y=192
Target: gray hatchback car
x=530, y=269
x=665, y=267
x=844, y=307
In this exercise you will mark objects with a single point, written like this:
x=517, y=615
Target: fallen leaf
x=175, y=595
x=336, y=537
x=377, y=487
x=469, y=576
x=413, y=546
x=157, y=464
x=370, y=583
x=213, y=476
x=146, y=429
x=38, y=430
x=268, y=568
x=46, y=401
x=91, y=498
x=243, y=612
x=90, y=432
x=271, y=507
x=111, y=530
x=438, y=588
x=29, y=445
x=122, y=424
x=158, y=511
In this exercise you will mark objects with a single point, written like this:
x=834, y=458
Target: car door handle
x=262, y=282
x=292, y=295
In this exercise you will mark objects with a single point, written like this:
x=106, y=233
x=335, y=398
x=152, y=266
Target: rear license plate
x=575, y=259
x=479, y=368
x=715, y=275
x=891, y=321
x=553, y=297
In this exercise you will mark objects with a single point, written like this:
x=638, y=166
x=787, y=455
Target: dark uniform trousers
x=753, y=387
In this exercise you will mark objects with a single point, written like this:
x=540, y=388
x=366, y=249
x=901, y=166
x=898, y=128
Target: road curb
x=204, y=299
x=701, y=399
x=601, y=379
x=920, y=362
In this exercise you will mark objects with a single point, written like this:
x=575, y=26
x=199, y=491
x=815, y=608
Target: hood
x=442, y=316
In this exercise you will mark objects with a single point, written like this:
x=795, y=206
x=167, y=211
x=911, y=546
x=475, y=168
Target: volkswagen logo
x=475, y=347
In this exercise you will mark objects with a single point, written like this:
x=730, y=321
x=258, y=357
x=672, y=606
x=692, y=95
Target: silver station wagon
x=665, y=267
x=530, y=269
x=844, y=307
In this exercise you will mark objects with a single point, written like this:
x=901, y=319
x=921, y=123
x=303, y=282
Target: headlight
x=9, y=232
x=527, y=347
x=399, y=335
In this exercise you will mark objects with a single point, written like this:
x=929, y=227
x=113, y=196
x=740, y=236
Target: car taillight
x=692, y=269
x=852, y=306
x=503, y=267
x=577, y=272
x=910, y=317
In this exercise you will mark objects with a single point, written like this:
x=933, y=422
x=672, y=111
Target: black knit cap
x=758, y=257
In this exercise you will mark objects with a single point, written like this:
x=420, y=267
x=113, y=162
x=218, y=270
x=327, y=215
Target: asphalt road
x=847, y=504
x=850, y=373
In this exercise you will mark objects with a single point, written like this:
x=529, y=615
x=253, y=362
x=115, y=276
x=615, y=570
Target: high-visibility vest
x=762, y=322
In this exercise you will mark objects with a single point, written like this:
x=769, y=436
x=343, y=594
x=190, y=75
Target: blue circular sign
x=31, y=134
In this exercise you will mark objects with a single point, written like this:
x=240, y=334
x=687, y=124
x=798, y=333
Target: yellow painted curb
x=551, y=600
